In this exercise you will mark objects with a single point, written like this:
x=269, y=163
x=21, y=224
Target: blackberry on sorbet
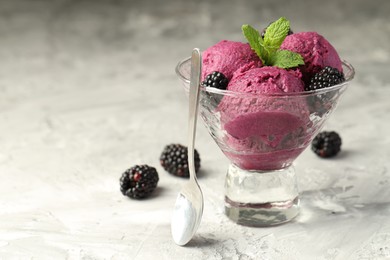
x=174, y=159
x=216, y=80
x=326, y=144
x=139, y=181
x=327, y=77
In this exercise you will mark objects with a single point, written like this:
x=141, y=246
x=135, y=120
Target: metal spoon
x=189, y=203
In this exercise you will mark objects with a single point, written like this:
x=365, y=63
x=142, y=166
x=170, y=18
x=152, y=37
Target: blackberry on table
x=327, y=77
x=326, y=144
x=174, y=159
x=139, y=181
x=216, y=80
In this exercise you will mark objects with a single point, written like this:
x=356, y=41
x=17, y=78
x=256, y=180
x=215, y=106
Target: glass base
x=261, y=198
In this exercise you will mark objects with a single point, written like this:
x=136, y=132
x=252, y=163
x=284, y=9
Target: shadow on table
x=157, y=192
x=198, y=241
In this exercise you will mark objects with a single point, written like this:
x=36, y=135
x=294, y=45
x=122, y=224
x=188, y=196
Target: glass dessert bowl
x=261, y=135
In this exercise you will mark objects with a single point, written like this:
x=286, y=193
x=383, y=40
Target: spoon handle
x=196, y=68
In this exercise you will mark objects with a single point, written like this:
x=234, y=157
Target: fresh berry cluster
x=326, y=144
x=174, y=159
x=216, y=80
x=139, y=181
x=327, y=77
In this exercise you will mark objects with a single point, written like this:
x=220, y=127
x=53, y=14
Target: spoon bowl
x=188, y=209
x=187, y=213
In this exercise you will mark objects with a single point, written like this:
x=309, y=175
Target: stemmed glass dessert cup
x=262, y=135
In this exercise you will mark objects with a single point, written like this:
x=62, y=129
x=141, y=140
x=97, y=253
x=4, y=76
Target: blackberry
x=216, y=80
x=326, y=144
x=174, y=159
x=139, y=181
x=327, y=77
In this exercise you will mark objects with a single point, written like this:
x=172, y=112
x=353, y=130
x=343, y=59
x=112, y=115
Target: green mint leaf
x=286, y=59
x=268, y=49
x=252, y=35
x=265, y=52
x=276, y=33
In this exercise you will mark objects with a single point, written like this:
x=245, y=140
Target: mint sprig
x=268, y=49
x=255, y=40
x=286, y=59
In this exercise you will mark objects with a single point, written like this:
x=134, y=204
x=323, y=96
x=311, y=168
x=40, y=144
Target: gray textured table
x=87, y=89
